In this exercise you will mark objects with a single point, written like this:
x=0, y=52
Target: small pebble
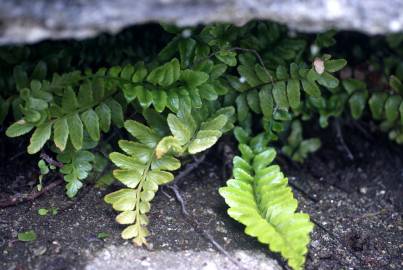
x=363, y=190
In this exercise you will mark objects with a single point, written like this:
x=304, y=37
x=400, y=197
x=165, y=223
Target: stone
x=27, y=21
x=118, y=257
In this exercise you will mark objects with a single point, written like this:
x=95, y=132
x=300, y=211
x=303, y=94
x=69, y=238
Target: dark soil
x=357, y=206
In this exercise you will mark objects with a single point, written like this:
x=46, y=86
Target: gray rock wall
x=25, y=21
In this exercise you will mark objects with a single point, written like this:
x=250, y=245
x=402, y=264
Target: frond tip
x=259, y=197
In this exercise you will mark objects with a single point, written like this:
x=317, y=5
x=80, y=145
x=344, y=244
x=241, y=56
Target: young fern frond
x=296, y=147
x=77, y=165
x=259, y=197
x=149, y=160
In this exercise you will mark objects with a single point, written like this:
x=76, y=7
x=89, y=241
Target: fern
x=296, y=147
x=178, y=101
x=77, y=167
x=384, y=106
x=150, y=158
x=259, y=198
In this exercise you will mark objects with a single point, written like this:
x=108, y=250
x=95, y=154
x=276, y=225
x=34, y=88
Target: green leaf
x=126, y=217
x=242, y=107
x=311, y=145
x=166, y=144
x=252, y=98
x=54, y=211
x=103, y=235
x=91, y=123
x=166, y=74
x=27, y=236
x=142, y=133
x=335, y=65
x=40, y=71
x=266, y=101
x=104, y=114
x=281, y=73
x=280, y=96
x=60, y=133
x=129, y=178
x=352, y=85
x=127, y=162
x=392, y=108
x=85, y=97
x=227, y=57
x=357, y=104
x=186, y=48
x=294, y=93
x=116, y=112
x=263, y=74
x=396, y=84
x=249, y=74
x=160, y=177
x=140, y=151
x=40, y=136
x=311, y=88
x=122, y=200
x=204, y=140
x=208, y=92
x=194, y=78
x=127, y=72
x=73, y=187
x=130, y=232
x=217, y=70
x=19, y=128
x=216, y=123
x=140, y=72
x=179, y=129
x=76, y=130
x=43, y=211
x=69, y=100
x=376, y=104
x=328, y=80
x=44, y=169
x=166, y=163
x=20, y=77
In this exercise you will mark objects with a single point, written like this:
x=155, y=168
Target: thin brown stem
x=20, y=198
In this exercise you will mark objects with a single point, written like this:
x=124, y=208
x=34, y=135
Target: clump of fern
x=179, y=102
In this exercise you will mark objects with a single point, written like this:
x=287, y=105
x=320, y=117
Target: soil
x=356, y=205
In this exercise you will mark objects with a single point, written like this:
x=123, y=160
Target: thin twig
x=50, y=160
x=303, y=192
x=17, y=155
x=20, y=198
x=196, y=226
x=190, y=167
x=340, y=137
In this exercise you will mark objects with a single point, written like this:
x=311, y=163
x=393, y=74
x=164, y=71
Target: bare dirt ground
x=356, y=205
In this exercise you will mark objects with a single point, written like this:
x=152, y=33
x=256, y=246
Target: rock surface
x=25, y=21
x=132, y=258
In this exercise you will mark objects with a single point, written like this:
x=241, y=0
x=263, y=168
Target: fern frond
x=297, y=148
x=76, y=167
x=68, y=112
x=148, y=161
x=385, y=106
x=259, y=197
